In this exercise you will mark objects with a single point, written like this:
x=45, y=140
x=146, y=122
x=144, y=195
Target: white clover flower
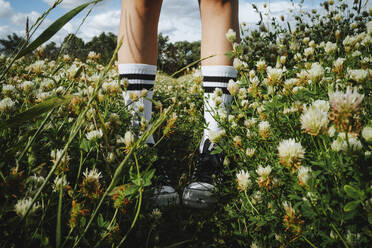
x=47, y=84
x=264, y=128
x=331, y=131
x=231, y=35
x=367, y=133
x=94, y=135
x=348, y=101
x=9, y=89
x=56, y=154
x=330, y=47
x=304, y=175
x=129, y=138
x=274, y=75
x=7, y=105
x=290, y=82
x=156, y=213
x=242, y=93
x=255, y=245
x=37, y=66
x=338, y=64
x=358, y=75
x=308, y=51
x=263, y=172
x=59, y=182
x=252, y=74
x=244, y=181
x=341, y=144
x=289, y=210
x=314, y=121
x=321, y=104
x=27, y=86
x=216, y=135
x=306, y=40
x=91, y=55
x=92, y=175
x=256, y=197
x=261, y=65
x=290, y=152
x=23, y=204
x=316, y=72
x=250, y=152
x=233, y=87
x=111, y=87
x=238, y=64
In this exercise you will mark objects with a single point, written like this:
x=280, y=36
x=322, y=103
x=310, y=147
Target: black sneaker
x=200, y=193
x=163, y=195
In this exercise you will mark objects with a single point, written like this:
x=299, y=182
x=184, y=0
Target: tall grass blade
x=53, y=29
x=59, y=211
x=35, y=111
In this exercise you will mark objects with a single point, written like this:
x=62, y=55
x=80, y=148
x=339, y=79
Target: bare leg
x=218, y=16
x=139, y=29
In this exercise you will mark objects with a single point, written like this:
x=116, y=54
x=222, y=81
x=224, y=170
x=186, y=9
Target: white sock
x=139, y=76
x=215, y=76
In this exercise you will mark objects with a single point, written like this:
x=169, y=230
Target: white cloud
x=180, y=20
x=19, y=19
x=5, y=9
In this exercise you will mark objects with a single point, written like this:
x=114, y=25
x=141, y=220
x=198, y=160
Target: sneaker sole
x=166, y=200
x=198, y=198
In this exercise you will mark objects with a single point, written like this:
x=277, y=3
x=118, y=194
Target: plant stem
x=245, y=193
x=339, y=235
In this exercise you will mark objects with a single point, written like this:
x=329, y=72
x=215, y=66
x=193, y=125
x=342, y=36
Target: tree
x=104, y=44
x=51, y=51
x=11, y=45
x=75, y=47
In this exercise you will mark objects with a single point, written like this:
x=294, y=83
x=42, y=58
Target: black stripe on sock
x=217, y=79
x=211, y=90
x=130, y=76
x=140, y=86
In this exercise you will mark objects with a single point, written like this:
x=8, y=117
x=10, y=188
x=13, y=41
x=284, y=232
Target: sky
x=179, y=19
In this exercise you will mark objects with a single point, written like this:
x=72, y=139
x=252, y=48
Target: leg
x=138, y=54
x=139, y=30
x=217, y=16
x=137, y=64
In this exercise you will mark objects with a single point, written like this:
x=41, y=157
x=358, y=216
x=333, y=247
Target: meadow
x=297, y=141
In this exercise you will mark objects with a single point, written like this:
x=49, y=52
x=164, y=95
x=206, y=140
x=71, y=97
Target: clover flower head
x=59, y=182
x=244, y=181
x=263, y=171
x=304, y=174
x=357, y=75
x=7, y=105
x=367, y=134
x=290, y=152
x=231, y=35
x=216, y=135
x=314, y=121
x=23, y=204
x=92, y=175
x=233, y=87
x=94, y=135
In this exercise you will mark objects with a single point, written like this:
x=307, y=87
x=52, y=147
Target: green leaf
x=370, y=219
x=35, y=111
x=85, y=145
x=351, y=205
x=353, y=192
x=53, y=29
x=131, y=190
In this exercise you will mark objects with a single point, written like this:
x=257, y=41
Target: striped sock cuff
x=217, y=76
x=139, y=76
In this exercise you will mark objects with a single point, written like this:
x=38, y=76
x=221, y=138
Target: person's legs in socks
x=137, y=59
x=218, y=16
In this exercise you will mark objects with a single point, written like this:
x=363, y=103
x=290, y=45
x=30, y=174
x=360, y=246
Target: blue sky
x=179, y=19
